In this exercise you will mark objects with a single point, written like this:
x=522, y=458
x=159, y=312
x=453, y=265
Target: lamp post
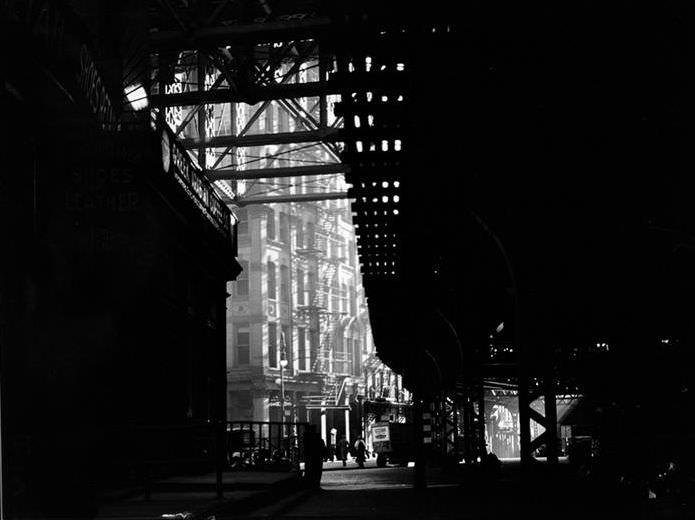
x=347, y=409
x=360, y=402
x=283, y=364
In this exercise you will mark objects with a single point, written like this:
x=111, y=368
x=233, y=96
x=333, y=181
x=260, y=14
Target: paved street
x=387, y=493
x=379, y=493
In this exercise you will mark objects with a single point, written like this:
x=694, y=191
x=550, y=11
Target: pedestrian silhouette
x=314, y=449
x=361, y=451
x=343, y=449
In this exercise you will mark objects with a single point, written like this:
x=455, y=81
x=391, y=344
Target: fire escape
x=322, y=318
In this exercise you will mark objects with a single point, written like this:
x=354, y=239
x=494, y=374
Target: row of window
x=342, y=298
x=305, y=234
x=281, y=347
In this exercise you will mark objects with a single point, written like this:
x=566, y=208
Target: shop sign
x=192, y=180
x=381, y=433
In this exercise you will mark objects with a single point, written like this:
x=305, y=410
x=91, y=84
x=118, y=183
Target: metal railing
x=270, y=446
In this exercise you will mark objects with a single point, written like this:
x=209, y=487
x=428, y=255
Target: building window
x=259, y=124
x=300, y=287
x=344, y=297
x=349, y=353
x=242, y=344
x=283, y=120
x=287, y=346
x=272, y=289
x=301, y=347
x=300, y=235
x=270, y=118
x=310, y=235
x=270, y=225
x=335, y=296
x=351, y=249
x=272, y=345
x=284, y=283
x=284, y=228
x=339, y=358
x=241, y=286
x=243, y=221
x=357, y=357
x=353, y=301
x=313, y=347
x=312, y=287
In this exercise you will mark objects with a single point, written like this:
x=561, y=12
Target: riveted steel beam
x=302, y=197
x=273, y=173
x=240, y=33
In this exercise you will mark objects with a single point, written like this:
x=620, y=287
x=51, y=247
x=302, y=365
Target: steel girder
x=251, y=96
x=306, y=136
x=221, y=35
x=266, y=173
x=309, y=128
x=302, y=197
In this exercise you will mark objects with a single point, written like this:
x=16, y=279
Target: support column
x=219, y=416
x=551, y=419
x=323, y=426
x=419, y=481
x=347, y=419
x=525, y=449
x=202, y=114
x=323, y=76
x=482, y=448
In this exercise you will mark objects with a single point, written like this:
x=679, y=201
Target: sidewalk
x=351, y=464
x=195, y=497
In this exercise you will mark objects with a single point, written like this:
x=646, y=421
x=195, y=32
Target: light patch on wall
x=137, y=96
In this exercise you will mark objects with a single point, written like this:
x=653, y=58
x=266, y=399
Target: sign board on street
x=381, y=437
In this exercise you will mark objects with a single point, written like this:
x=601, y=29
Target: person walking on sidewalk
x=343, y=449
x=361, y=450
x=332, y=446
x=314, y=449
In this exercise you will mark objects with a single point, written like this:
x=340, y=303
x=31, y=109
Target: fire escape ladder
x=331, y=395
x=328, y=272
x=332, y=385
x=323, y=356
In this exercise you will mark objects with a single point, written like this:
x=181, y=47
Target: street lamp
x=283, y=364
x=360, y=402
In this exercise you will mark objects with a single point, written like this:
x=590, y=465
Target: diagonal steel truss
x=206, y=84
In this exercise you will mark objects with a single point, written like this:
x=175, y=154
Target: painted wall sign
x=95, y=92
x=63, y=43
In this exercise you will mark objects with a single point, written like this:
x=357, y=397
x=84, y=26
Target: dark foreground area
x=387, y=493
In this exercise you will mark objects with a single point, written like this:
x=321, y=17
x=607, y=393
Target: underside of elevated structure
x=482, y=192
x=518, y=174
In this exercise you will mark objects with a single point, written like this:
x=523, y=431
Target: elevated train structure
x=464, y=219
x=504, y=168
